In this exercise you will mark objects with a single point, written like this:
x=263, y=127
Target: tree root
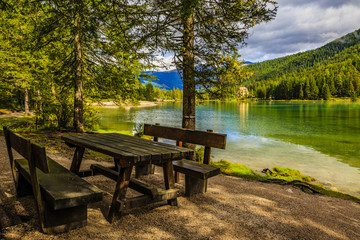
x=296, y=183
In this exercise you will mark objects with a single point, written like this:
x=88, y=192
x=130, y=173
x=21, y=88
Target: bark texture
x=78, y=98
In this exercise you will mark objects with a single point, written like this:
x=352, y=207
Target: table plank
x=104, y=140
x=185, y=152
x=128, y=147
x=134, y=147
x=155, y=151
x=75, y=140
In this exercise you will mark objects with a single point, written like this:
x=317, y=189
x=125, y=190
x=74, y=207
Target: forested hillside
x=330, y=71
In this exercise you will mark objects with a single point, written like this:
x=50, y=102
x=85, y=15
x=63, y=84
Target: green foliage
x=112, y=131
x=17, y=124
x=353, y=96
x=235, y=169
x=91, y=118
x=298, y=62
x=149, y=92
x=138, y=130
x=330, y=71
x=224, y=77
x=288, y=174
x=40, y=55
x=200, y=154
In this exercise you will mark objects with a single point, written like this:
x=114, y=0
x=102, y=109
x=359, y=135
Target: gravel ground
x=233, y=208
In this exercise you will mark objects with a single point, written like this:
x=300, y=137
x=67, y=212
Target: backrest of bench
x=208, y=139
x=39, y=157
x=26, y=149
x=18, y=143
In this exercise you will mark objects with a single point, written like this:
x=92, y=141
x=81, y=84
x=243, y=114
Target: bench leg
x=63, y=220
x=76, y=162
x=177, y=177
x=144, y=169
x=23, y=187
x=194, y=185
x=169, y=179
x=122, y=185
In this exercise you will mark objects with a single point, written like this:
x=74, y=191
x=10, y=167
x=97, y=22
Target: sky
x=301, y=25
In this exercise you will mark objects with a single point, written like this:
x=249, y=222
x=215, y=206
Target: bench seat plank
x=195, y=169
x=61, y=188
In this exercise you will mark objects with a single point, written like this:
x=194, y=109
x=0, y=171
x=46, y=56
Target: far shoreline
x=127, y=106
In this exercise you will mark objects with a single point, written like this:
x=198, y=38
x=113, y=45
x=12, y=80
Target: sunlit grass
x=288, y=175
x=236, y=169
x=17, y=123
x=113, y=131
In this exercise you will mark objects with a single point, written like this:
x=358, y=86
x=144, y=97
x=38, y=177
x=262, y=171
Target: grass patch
x=113, y=131
x=4, y=111
x=287, y=174
x=17, y=124
x=280, y=175
x=236, y=169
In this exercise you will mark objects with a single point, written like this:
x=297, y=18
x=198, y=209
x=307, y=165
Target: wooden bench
x=61, y=196
x=196, y=174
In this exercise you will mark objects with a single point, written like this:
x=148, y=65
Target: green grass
x=236, y=169
x=287, y=175
x=113, y=131
x=17, y=123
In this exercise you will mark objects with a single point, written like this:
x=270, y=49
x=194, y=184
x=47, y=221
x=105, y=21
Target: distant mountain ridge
x=304, y=60
x=273, y=69
x=170, y=79
x=332, y=70
x=166, y=80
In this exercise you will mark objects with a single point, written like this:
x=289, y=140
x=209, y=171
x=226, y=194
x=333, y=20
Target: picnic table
x=128, y=151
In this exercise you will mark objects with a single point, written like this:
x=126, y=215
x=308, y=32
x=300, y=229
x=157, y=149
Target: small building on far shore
x=242, y=92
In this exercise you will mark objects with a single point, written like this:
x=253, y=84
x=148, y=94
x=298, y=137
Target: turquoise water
x=319, y=139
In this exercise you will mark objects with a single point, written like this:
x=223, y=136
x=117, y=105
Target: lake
x=321, y=139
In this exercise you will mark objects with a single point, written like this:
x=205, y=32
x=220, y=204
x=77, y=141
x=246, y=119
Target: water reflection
x=243, y=113
x=319, y=139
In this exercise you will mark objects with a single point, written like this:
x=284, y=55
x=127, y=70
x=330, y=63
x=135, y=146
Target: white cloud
x=300, y=26
x=164, y=63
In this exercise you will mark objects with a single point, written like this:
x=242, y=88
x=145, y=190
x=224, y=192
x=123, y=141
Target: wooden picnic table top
x=131, y=149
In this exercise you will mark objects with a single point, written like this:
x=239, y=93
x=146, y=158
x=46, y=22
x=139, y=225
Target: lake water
x=319, y=139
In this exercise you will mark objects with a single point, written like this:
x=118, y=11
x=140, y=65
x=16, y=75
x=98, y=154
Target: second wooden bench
x=61, y=196
x=196, y=174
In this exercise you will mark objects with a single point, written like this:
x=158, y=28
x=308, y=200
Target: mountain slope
x=303, y=61
x=166, y=80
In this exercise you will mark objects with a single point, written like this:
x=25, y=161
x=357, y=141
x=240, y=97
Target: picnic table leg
x=120, y=191
x=116, y=164
x=177, y=174
x=144, y=169
x=168, y=170
x=76, y=162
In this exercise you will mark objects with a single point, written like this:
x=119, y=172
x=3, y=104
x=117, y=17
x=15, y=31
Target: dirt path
x=12, y=114
x=232, y=208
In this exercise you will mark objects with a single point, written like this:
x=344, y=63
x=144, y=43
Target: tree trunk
x=53, y=91
x=188, y=120
x=78, y=100
x=26, y=102
x=38, y=104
